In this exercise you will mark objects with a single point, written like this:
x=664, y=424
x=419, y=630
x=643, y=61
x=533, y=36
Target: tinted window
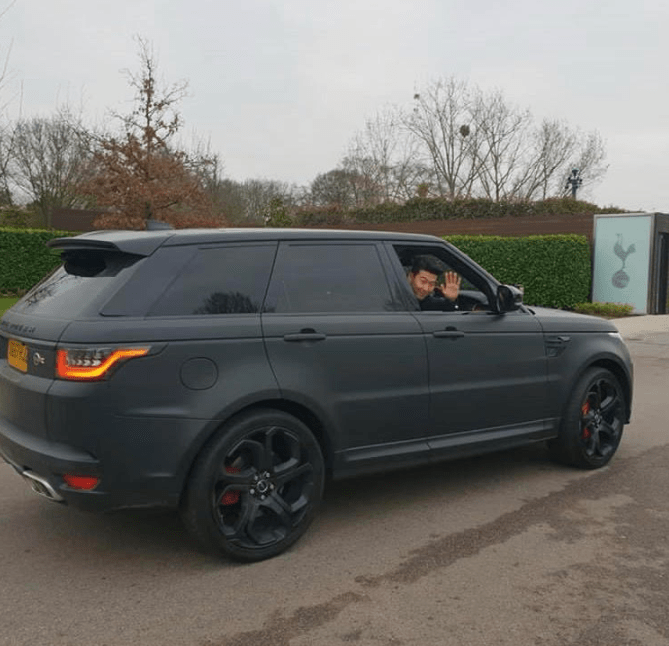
x=86, y=277
x=329, y=278
x=222, y=280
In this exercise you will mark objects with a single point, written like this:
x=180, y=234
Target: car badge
x=38, y=359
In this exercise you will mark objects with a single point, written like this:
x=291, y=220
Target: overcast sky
x=281, y=86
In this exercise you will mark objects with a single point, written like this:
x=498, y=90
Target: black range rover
x=229, y=372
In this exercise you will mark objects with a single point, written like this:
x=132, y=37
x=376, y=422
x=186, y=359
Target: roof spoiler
x=141, y=243
x=77, y=242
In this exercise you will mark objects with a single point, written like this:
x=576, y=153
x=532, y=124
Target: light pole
x=574, y=180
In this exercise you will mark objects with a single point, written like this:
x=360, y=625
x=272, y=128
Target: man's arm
x=446, y=298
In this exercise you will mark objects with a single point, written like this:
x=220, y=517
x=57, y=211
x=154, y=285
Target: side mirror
x=509, y=298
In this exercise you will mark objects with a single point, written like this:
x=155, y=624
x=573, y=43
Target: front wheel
x=592, y=426
x=255, y=487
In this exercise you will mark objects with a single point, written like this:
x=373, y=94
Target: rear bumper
x=43, y=463
x=26, y=451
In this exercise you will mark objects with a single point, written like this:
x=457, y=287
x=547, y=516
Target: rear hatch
x=94, y=268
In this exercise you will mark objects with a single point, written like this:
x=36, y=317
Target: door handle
x=448, y=333
x=305, y=335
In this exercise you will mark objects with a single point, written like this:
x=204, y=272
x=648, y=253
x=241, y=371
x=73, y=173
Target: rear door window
x=229, y=279
x=313, y=278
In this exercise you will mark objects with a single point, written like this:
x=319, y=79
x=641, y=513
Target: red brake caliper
x=230, y=497
x=585, y=409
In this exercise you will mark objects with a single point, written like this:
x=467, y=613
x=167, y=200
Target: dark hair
x=427, y=262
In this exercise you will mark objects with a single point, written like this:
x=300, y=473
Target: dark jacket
x=438, y=303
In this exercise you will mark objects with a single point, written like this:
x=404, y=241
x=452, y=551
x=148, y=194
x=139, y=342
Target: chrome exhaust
x=41, y=486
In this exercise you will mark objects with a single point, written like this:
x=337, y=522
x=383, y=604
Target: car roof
x=145, y=242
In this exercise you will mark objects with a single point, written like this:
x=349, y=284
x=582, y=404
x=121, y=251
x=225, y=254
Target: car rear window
x=85, y=278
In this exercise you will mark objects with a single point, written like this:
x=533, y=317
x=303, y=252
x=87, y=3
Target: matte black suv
x=228, y=372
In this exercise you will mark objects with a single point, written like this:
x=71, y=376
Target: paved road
x=504, y=549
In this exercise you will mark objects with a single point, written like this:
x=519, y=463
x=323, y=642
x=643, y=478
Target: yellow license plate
x=17, y=355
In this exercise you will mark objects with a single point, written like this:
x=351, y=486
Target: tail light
x=93, y=364
x=84, y=483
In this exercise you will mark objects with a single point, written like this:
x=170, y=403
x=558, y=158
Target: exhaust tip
x=41, y=486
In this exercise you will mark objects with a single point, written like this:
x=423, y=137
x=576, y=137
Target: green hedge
x=443, y=209
x=24, y=258
x=554, y=270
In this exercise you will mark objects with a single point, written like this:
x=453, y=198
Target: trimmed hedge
x=442, y=209
x=24, y=258
x=554, y=270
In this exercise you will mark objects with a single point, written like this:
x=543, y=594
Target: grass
x=607, y=310
x=6, y=303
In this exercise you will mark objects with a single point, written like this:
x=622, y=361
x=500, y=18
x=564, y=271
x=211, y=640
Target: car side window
x=472, y=294
x=317, y=278
x=230, y=279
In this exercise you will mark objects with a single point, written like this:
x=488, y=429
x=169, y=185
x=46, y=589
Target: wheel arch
x=308, y=418
x=297, y=410
x=619, y=372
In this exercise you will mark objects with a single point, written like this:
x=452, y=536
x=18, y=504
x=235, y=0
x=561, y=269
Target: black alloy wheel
x=593, y=425
x=256, y=486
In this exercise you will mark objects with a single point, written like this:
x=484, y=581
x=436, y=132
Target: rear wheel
x=256, y=486
x=592, y=427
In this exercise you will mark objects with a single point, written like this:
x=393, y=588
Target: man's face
x=422, y=283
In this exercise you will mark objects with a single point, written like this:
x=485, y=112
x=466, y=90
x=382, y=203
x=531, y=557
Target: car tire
x=255, y=487
x=592, y=425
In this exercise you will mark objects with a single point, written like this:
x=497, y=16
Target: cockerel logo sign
x=622, y=259
x=620, y=278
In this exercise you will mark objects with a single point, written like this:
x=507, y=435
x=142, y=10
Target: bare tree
x=206, y=164
x=6, y=131
x=465, y=142
x=343, y=188
x=553, y=144
x=257, y=194
x=4, y=64
x=502, y=145
x=556, y=149
x=48, y=161
x=6, y=149
x=442, y=123
x=386, y=154
x=228, y=198
x=247, y=202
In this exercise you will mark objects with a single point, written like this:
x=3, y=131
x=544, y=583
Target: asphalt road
x=503, y=549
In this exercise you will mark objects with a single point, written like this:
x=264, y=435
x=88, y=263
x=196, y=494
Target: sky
x=279, y=88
